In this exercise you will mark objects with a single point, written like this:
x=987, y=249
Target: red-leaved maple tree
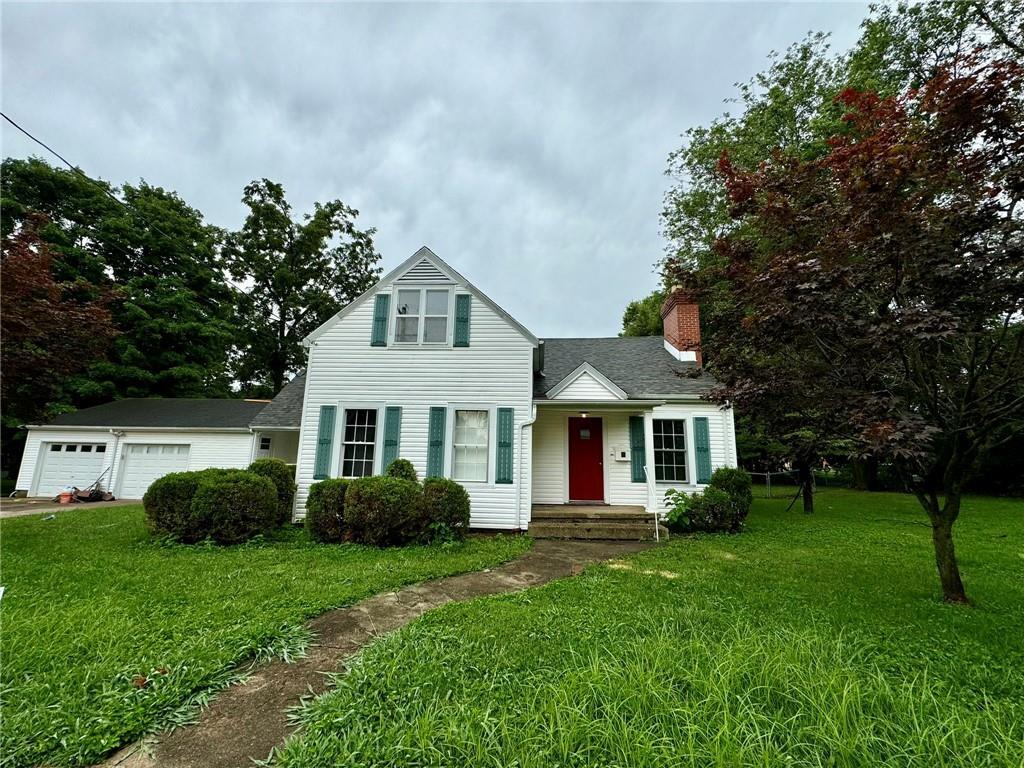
x=877, y=291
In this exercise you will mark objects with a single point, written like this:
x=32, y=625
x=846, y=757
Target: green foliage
x=445, y=509
x=402, y=468
x=283, y=478
x=325, y=511
x=643, y=316
x=791, y=642
x=735, y=482
x=712, y=510
x=168, y=505
x=91, y=597
x=384, y=511
x=296, y=273
x=233, y=507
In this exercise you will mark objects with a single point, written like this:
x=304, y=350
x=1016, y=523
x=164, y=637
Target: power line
x=84, y=175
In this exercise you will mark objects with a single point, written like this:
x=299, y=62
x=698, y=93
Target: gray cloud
x=525, y=144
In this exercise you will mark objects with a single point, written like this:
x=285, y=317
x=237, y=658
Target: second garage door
x=144, y=463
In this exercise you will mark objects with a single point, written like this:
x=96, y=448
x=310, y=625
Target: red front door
x=586, y=460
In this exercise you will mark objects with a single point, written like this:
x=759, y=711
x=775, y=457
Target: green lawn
x=806, y=641
x=92, y=602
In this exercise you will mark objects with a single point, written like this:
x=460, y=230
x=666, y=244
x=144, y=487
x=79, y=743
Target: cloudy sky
x=525, y=144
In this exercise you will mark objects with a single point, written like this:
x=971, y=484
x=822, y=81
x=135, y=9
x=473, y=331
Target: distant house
x=426, y=367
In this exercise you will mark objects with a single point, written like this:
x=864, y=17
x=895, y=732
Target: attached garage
x=133, y=442
x=78, y=464
x=145, y=462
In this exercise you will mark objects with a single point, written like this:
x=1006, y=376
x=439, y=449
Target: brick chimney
x=680, y=314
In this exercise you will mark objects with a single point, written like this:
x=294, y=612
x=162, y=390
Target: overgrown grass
x=92, y=603
x=808, y=640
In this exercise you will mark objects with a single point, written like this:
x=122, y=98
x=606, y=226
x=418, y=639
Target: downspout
x=519, y=479
x=114, y=456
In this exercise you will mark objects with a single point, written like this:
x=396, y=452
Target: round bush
x=168, y=502
x=402, y=468
x=735, y=482
x=283, y=478
x=712, y=511
x=325, y=511
x=235, y=506
x=445, y=509
x=383, y=511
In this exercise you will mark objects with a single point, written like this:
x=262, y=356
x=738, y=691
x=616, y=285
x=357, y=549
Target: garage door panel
x=70, y=464
x=146, y=462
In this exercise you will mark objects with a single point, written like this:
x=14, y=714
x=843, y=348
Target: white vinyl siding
x=586, y=388
x=496, y=370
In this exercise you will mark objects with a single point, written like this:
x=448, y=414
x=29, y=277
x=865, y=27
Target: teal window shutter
x=463, y=304
x=503, y=458
x=702, y=445
x=324, y=440
x=379, y=338
x=637, y=449
x=392, y=430
x=435, y=442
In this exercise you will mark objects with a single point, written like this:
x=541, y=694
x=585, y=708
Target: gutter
x=519, y=479
x=107, y=428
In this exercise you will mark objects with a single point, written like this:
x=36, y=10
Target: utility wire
x=84, y=175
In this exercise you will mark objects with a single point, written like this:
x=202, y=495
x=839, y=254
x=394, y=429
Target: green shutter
x=380, y=321
x=463, y=302
x=435, y=443
x=702, y=445
x=392, y=429
x=324, y=439
x=503, y=458
x=637, y=449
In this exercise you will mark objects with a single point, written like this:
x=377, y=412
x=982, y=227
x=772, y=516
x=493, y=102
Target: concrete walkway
x=37, y=506
x=246, y=721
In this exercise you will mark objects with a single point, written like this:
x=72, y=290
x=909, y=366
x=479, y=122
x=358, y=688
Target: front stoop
x=607, y=522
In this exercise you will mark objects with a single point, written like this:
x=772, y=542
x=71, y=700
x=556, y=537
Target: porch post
x=652, y=500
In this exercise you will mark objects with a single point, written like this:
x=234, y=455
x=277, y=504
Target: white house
x=425, y=366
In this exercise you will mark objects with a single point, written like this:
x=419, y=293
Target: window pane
x=55, y=447
x=437, y=303
x=670, y=450
x=360, y=436
x=435, y=329
x=408, y=303
x=407, y=329
x=101, y=449
x=70, y=448
x=470, y=449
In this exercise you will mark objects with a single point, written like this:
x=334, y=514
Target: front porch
x=620, y=522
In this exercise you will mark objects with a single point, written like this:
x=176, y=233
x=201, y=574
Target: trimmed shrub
x=402, y=468
x=735, y=482
x=283, y=478
x=712, y=511
x=325, y=511
x=384, y=511
x=235, y=506
x=168, y=505
x=445, y=510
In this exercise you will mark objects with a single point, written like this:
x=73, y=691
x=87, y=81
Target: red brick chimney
x=680, y=314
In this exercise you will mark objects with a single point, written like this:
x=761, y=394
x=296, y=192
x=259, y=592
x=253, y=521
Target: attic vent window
x=421, y=316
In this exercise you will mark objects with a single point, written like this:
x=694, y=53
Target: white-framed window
x=265, y=443
x=359, y=442
x=421, y=315
x=670, y=450
x=470, y=445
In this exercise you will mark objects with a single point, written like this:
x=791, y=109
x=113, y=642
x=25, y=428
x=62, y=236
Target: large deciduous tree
x=880, y=286
x=292, y=276
x=643, y=316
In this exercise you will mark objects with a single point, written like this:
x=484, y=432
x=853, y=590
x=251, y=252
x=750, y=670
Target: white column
x=652, y=500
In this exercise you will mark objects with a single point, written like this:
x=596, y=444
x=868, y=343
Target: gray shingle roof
x=639, y=365
x=285, y=410
x=165, y=412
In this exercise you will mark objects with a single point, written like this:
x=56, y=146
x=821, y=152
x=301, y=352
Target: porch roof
x=638, y=365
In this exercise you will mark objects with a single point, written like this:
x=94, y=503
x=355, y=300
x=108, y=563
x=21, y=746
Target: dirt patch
x=246, y=721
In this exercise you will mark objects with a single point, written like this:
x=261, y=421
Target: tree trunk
x=865, y=474
x=945, y=554
x=806, y=479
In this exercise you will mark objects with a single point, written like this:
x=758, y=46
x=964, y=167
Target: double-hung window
x=670, y=450
x=470, y=447
x=359, y=442
x=421, y=315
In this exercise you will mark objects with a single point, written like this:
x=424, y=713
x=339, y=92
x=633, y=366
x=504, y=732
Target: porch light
x=583, y=414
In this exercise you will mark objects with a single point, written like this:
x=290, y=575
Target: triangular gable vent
x=423, y=271
x=586, y=383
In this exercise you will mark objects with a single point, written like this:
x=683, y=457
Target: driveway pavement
x=37, y=506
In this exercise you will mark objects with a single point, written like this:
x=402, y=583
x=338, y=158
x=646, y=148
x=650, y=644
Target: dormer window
x=421, y=315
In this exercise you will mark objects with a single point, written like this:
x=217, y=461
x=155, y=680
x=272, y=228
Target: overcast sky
x=525, y=144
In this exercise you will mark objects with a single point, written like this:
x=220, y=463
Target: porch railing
x=652, y=499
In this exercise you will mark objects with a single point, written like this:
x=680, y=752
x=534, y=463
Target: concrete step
x=568, y=514
x=615, y=530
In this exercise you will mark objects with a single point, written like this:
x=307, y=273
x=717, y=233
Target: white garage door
x=145, y=463
x=69, y=464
